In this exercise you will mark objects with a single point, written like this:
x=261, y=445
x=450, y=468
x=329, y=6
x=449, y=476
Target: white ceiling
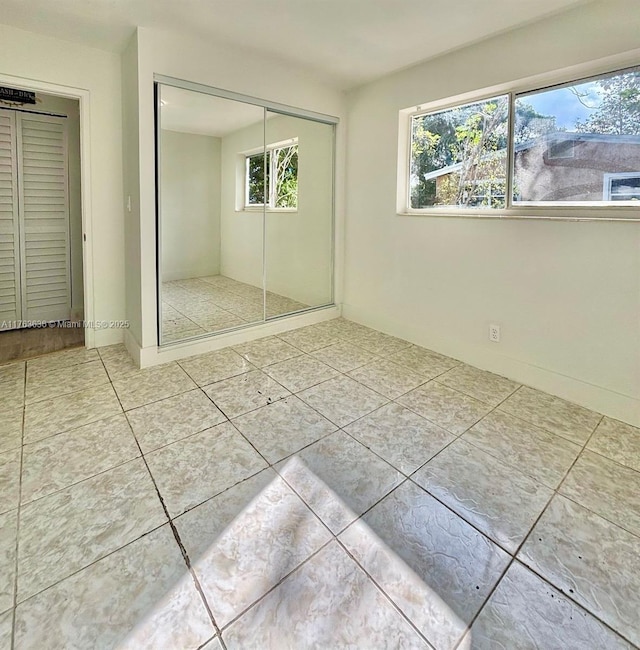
x=190, y=112
x=350, y=41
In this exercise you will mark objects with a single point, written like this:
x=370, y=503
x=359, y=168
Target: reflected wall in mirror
x=299, y=225
x=245, y=199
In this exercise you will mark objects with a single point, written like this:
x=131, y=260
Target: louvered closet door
x=10, y=301
x=44, y=217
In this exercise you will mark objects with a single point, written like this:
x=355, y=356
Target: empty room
x=319, y=325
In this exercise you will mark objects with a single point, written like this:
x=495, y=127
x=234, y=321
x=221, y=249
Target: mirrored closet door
x=245, y=210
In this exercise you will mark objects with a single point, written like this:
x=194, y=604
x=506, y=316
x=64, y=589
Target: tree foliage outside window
x=272, y=178
x=471, y=140
x=564, y=140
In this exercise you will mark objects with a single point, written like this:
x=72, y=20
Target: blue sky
x=562, y=103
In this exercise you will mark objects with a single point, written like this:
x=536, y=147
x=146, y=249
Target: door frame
x=84, y=99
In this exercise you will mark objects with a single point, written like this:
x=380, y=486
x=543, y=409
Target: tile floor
x=332, y=487
x=197, y=306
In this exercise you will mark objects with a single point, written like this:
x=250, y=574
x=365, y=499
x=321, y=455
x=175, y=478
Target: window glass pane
x=569, y=140
x=459, y=156
x=256, y=178
x=285, y=162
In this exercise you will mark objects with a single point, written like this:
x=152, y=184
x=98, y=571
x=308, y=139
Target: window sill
x=548, y=213
x=268, y=210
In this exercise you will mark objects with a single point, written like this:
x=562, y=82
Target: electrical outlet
x=494, y=333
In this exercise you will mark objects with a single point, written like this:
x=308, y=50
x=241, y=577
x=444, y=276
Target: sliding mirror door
x=299, y=214
x=210, y=247
x=244, y=210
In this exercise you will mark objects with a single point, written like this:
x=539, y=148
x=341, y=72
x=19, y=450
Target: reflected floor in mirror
x=198, y=306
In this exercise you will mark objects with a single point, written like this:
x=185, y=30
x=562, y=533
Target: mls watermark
x=66, y=324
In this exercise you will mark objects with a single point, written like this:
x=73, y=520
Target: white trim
x=155, y=355
x=84, y=98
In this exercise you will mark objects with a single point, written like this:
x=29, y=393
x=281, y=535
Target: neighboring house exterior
x=558, y=167
x=578, y=167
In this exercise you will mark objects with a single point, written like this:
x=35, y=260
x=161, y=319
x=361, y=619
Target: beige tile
x=425, y=362
x=12, y=371
x=484, y=386
x=503, y=503
x=268, y=539
x=62, y=359
x=117, y=361
x=300, y=373
x=573, y=422
x=152, y=385
x=329, y=602
x=12, y=392
x=344, y=356
x=618, y=441
x=590, y=560
x=66, y=531
x=200, y=527
x=607, y=488
x=345, y=329
x=47, y=384
x=245, y=393
x=171, y=419
x=524, y=612
x=387, y=378
x=215, y=366
x=8, y=535
x=11, y=429
x=196, y=468
x=432, y=564
x=49, y=417
x=342, y=400
x=59, y=461
x=380, y=343
x=445, y=407
x=141, y=596
x=536, y=452
x=264, y=352
x=282, y=428
x=339, y=478
x=9, y=479
x=401, y=437
x=6, y=625
x=309, y=339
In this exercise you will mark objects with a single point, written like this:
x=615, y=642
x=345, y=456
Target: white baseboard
x=597, y=398
x=101, y=337
x=153, y=356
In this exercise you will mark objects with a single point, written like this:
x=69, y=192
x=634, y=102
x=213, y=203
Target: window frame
x=623, y=211
x=269, y=149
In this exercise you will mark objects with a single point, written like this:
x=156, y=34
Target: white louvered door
x=44, y=217
x=10, y=287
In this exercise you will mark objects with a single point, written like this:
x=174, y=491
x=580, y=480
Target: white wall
x=567, y=295
x=213, y=64
x=27, y=56
x=190, y=205
x=298, y=244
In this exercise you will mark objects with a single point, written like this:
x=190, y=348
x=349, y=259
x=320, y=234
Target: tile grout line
x=19, y=510
x=175, y=533
x=456, y=437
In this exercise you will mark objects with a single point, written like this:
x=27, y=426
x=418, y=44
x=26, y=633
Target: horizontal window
x=576, y=143
x=271, y=178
